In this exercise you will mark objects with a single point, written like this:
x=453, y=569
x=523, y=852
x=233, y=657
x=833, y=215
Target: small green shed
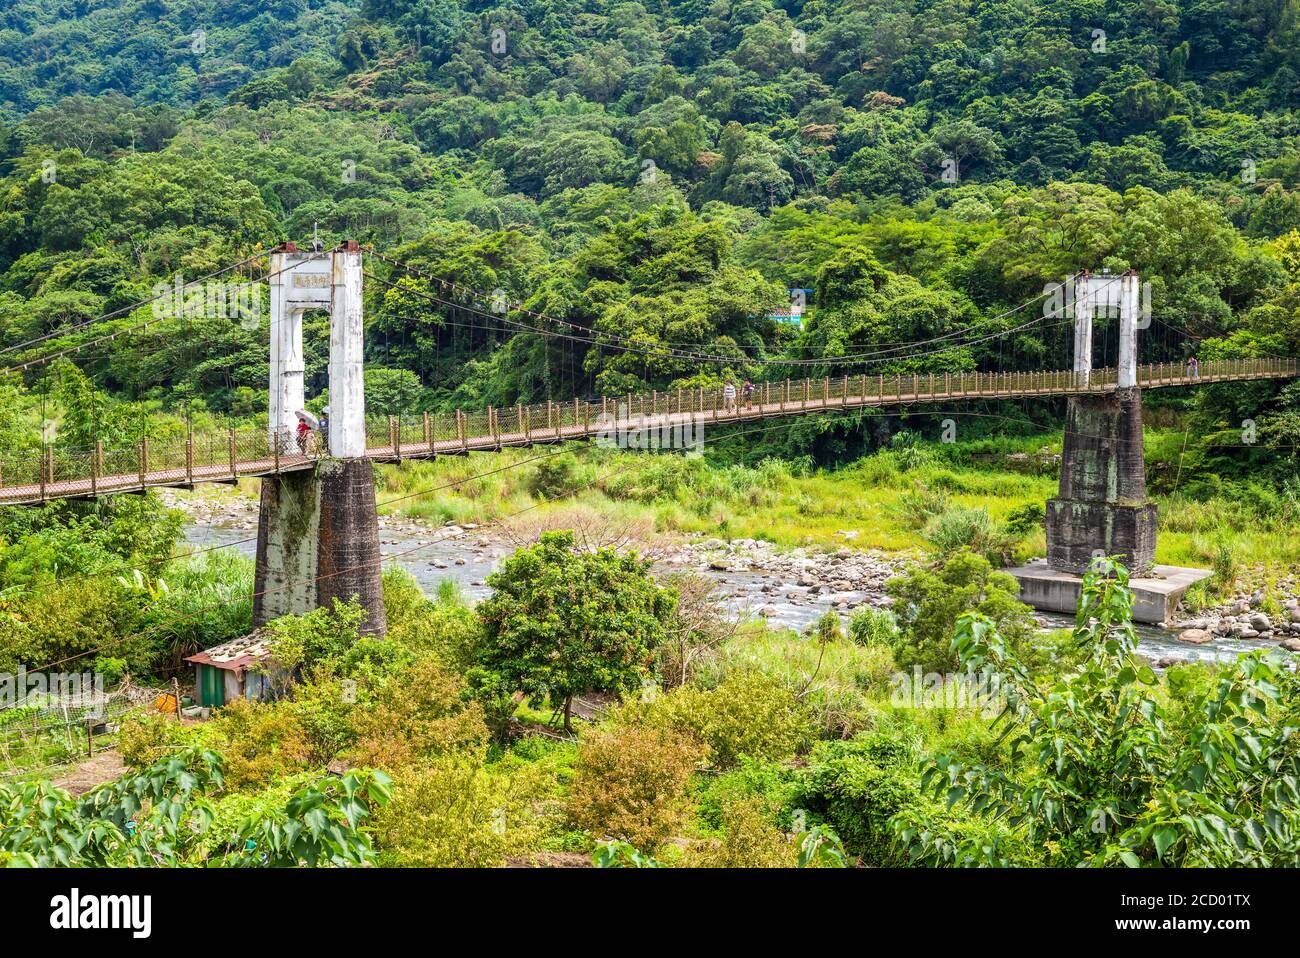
x=231, y=671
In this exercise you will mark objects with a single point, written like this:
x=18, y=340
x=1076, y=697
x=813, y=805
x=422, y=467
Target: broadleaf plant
x=1103, y=770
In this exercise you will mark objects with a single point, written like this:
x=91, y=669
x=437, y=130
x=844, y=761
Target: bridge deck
x=56, y=473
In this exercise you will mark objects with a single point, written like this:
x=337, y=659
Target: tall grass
x=893, y=499
x=1197, y=532
x=208, y=601
x=836, y=678
x=868, y=626
x=965, y=528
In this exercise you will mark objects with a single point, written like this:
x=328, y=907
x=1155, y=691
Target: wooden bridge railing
x=54, y=471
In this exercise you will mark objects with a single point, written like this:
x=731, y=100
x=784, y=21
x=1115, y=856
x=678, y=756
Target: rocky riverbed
x=1246, y=617
x=790, y=588
x=841, y=580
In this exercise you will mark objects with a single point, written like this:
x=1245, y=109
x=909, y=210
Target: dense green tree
x=928, y=604
x=1107, y=771
x=563, y=620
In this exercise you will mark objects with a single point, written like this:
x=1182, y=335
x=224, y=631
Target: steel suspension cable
x=124, y=310
x=90, y=344
x=670, y=353
x=896, y=347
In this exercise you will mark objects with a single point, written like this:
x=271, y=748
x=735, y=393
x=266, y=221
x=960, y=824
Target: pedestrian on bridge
x=306, y=423
x=749, y=394
x=729, y=396
x=325, y=428
x=1193, y=369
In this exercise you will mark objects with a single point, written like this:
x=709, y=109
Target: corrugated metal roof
x=236, y=654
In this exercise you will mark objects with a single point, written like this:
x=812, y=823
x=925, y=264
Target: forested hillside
x=658, y=170
x=176, y=52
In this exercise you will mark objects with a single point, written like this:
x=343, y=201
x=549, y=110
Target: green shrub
x=750, y=715
x=632, y=783
x=1198, y=596
x=1024, y=520
x=963, y=732
x=264, y=742
x=323, y=706
x=371, y=658
x=660, y=478
x=148, y=737
x=111, y=668
x=928, y=603
x=404, y=600
x=318, y=636
x=1107, y=768
x=208, y=601
x=454, y=813
x=419, y=712
x=857, y=786
x=750, y=839
x=909, y=453
x=774, y=782
x=961, y=528
x=1225, y=568
x=104, y=539
x=451, y=632
x=557, y=476
x=917, y=505
x=73, y=617
x=232, y=810
x=827, y=628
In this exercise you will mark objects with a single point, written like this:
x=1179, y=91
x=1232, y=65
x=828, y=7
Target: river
x=432, y=560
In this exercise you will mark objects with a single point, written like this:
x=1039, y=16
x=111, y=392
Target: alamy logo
x=624, y=432
x=77, y=911
x=180, y=300
x=980, y=691
x=23, y=689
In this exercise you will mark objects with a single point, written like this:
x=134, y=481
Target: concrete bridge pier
x=318, y=540
x=1102, y=508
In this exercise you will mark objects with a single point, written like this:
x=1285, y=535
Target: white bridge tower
x=302, y=281
x=1108, y=294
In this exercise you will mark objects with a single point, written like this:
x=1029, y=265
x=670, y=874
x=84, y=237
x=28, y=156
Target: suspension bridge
x=224, y=457
x=317, y=536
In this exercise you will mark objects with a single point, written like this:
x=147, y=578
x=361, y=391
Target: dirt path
x=551, y=860
x=104, y=767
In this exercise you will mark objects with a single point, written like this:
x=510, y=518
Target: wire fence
x=46, y=733
x=55, y=471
